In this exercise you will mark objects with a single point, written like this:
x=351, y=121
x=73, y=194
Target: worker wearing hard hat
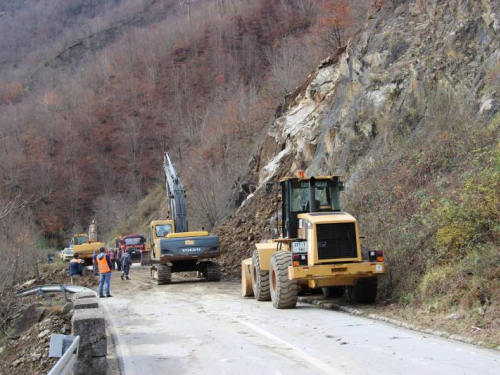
x=105, y=267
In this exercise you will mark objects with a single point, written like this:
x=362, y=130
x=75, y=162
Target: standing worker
x=104, y=265
x=75, y=268
x=112, y=258
x=118, y=258
x=126, y=263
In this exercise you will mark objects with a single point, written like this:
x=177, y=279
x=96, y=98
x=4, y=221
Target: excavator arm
x=176, y=196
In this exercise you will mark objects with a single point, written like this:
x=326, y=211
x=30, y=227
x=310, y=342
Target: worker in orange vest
x=105, y=267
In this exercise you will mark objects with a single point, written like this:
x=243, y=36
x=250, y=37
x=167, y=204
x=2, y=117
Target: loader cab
x=303, y=195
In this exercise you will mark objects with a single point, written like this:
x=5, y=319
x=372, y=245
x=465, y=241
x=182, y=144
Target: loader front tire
x=260, y=280
x=364, y=291
x=284, y=292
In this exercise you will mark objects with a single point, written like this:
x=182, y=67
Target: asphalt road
x=194, y=327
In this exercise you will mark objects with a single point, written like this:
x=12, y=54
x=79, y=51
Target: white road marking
x=327, y=369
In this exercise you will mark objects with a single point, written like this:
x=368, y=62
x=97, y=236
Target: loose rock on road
x=195, y=327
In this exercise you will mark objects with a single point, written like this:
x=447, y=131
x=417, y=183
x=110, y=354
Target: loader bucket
x=246, y=278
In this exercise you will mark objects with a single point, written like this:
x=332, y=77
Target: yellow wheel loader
x=320, y=249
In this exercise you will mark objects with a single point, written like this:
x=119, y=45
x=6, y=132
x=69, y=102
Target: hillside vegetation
x=89, y=133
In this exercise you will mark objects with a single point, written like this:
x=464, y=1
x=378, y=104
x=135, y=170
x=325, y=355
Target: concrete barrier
x=81, y=295
x=86, y=303
x=88, y=323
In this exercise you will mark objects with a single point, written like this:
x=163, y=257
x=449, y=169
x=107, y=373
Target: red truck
x=135, y=244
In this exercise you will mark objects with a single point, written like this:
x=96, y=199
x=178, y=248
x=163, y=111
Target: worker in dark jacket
x=126, y=263
x=105, y=267
x=75, y=268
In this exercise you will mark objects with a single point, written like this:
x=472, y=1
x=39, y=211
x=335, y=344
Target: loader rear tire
x=260, y=280
x=364, y=291
x=164, y=272
x=284, y=292
x=213, y=272
x=333, y=291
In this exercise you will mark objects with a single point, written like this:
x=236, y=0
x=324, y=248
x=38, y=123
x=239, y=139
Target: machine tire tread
x=333, y=291
x=285, y=293
x=260, y=281
x=364, y=291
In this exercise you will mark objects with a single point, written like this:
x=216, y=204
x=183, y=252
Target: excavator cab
x=80, y=239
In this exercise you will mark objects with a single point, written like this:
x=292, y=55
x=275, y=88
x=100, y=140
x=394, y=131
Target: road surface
x=194, y=327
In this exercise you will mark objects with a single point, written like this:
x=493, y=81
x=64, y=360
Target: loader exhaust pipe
x=312, y=195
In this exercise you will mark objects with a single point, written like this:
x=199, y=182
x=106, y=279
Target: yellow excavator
x=170, y=247
x=86, y=245
x=320, y=248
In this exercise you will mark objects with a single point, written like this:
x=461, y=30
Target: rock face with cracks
x=376, y=90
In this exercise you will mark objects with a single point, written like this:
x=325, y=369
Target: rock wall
x=376, y=92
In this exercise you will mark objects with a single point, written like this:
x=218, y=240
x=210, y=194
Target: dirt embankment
x=24, y=346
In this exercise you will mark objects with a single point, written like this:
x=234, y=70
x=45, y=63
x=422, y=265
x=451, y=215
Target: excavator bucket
x=145, y=258
x=246, y=278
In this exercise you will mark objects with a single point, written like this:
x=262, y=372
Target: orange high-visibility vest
x=102, y=263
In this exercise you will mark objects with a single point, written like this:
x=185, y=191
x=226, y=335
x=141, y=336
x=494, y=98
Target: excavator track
x=213, y=271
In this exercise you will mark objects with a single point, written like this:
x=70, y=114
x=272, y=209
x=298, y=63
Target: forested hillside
x=84, y=124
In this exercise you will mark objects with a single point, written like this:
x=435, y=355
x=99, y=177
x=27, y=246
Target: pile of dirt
x=25, y=346
x=255, y=221
x=26, y=351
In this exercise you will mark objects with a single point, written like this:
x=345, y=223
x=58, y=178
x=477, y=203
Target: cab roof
x=166, y=221
x=295, y=178
x=133, y=235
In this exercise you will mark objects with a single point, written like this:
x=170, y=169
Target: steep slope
x=409, y=114
x=88, y=136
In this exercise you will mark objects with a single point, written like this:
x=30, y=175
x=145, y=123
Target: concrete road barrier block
x=89, y=325
x=94, y=366
x=86, y=303
x=84, y=295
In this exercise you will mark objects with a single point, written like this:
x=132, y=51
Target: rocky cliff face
x=387, y=112
x=382, y=85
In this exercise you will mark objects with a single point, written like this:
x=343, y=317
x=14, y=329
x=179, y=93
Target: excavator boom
x=176, y=196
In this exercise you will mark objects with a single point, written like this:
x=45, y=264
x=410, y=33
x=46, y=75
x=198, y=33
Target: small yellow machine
x=85, y=248
x=320, y=248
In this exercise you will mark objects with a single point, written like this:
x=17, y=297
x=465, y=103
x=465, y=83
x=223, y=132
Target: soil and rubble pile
x=25, y=347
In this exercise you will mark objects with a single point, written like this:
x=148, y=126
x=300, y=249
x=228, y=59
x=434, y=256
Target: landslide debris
x=24, y=346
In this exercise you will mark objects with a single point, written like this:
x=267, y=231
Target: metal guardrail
x=66, y=363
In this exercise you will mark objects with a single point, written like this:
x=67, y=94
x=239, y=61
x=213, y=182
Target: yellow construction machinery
x=170, y=247
x=85, y=248
x=319, y=248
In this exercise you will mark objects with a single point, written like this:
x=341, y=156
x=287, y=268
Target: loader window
x=326, y=194
x=300, y=196
x=163, y=230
